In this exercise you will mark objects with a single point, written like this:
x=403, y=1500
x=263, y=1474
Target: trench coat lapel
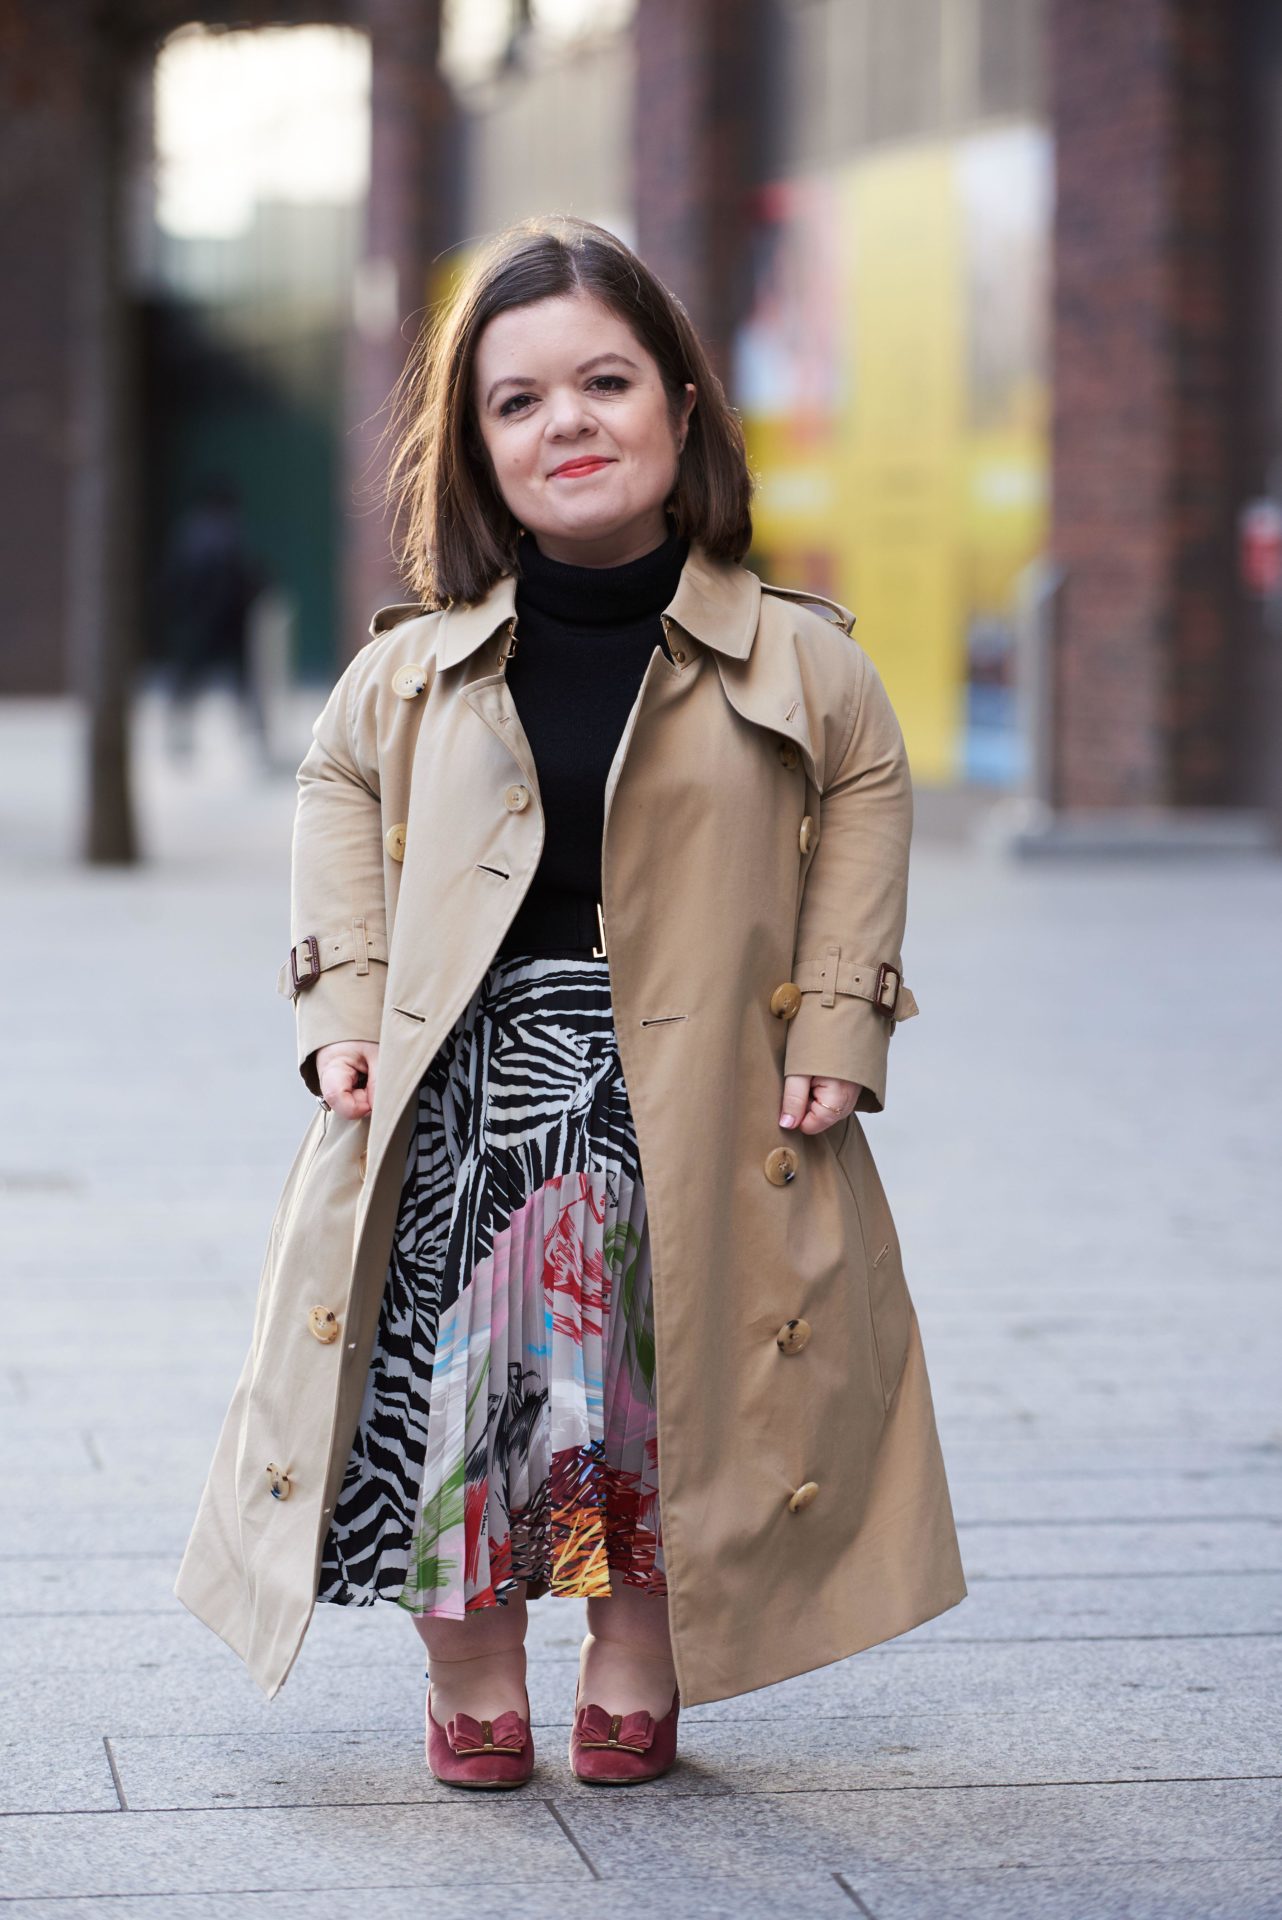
x=715, y=604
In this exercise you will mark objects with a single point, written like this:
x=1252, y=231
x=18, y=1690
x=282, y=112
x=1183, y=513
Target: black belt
x=549, y=921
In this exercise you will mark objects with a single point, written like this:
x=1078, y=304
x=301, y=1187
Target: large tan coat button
x=781, y=1166
x=278, y=1481
x=323, y=1322
x=808, y=835
x=409, y=681
x=788, y=754
x=792, y=1336
x=803, y=1496
x=785, y=1001
x=516, y=797
x=394, y=841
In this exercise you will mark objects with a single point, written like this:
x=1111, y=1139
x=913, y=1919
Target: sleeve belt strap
x=311, y=955
x=865, y=979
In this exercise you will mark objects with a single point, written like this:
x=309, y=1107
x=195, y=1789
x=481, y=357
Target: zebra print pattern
x=507, y=1430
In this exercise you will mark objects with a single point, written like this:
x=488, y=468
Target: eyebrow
x=529, y=380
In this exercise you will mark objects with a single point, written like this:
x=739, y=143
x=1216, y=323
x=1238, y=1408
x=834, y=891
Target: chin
x=591, y=524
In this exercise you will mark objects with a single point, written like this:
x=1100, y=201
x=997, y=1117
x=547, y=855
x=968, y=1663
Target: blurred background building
x=995, y=284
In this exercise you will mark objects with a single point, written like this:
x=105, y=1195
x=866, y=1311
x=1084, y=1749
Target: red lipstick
x=571, y=468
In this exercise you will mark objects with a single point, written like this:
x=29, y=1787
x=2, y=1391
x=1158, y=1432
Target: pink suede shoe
x=480, y=1753
x=618, y=1749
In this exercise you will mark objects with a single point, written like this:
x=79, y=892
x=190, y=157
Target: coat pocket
x=888, y=1297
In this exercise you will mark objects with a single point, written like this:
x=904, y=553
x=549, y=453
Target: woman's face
x=573, y=413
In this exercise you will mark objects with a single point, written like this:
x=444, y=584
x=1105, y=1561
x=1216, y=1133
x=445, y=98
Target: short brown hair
x=459, y=534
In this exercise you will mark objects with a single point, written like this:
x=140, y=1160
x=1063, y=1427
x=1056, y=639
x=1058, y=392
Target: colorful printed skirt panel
x=507, y=1431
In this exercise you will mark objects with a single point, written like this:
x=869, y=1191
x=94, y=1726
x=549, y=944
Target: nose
x=567, y=415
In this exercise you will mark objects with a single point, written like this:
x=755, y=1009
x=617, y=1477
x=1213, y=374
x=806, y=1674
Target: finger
x=796, y=1098
x=338, y=1084
x=830, y=1101
x=362, y=1097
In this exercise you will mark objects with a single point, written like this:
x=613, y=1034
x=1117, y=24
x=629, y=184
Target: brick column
x=695, y=149
x=1142, y=110
x=410, y=218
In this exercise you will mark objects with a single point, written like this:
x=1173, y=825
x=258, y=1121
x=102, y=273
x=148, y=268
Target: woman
x=591, y=1003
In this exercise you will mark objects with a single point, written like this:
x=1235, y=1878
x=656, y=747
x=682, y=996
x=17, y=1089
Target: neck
x=587, y=596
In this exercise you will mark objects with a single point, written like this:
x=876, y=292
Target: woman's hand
x=812, y=1102
x=346, y=1070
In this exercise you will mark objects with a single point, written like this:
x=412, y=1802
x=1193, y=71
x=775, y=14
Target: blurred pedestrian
x=209, y=583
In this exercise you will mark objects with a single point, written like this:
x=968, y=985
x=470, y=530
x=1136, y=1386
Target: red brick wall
x=1142, y=362
x=695, y=143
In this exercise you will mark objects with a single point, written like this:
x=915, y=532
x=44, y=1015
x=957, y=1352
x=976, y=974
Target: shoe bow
x=504, y=1735
x=597, y=1728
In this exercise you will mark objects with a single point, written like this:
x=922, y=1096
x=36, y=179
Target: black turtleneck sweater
x=583, y=638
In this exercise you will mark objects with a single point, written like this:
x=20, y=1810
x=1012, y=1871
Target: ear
x=691, y=401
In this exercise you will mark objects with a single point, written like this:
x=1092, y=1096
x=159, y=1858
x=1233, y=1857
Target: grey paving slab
x=136, y=1515
x=304, y=1847
x=40, y=1775
x=746, y=1834
x=1242, y=1602
x=1082, y=1740
x=38, y=1584
x=821, y=1895
x=1037, y=1499
x=1140, y=1890
x=1124, y=1549
x=354, y=1681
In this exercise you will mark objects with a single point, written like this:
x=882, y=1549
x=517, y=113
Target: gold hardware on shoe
x=598, y=953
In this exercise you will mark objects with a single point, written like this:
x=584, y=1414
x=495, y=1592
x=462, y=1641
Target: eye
x=614, y=383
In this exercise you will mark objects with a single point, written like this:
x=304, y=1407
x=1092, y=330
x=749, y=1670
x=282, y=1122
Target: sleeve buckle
x=311, y=948
x=885, y=973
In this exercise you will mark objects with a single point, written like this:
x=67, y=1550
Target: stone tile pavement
x=1081, y=1145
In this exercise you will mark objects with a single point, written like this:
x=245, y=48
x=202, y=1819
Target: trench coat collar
x=715, y=601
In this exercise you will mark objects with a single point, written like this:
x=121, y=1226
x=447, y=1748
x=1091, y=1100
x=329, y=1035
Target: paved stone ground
x=1081, y=1148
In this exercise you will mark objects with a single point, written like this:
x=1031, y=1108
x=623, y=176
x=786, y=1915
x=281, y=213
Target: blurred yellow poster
x=892, y=381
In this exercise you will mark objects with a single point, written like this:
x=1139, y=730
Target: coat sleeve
x=854, y=900
x=338, y=903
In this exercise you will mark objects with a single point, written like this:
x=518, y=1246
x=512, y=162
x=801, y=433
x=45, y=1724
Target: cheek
x=649, y=443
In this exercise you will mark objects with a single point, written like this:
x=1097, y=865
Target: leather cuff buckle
x=885, y=973
x=310, y=946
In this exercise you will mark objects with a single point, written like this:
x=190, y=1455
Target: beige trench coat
x=754, y=887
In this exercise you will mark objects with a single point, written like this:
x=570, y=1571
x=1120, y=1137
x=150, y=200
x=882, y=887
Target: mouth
x=573, y=468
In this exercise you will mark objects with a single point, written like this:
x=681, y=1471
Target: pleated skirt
x=507, y=1431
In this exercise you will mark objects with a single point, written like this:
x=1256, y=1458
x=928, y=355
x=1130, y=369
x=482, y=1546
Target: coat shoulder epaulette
x=840, y=616
x=392, y=616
